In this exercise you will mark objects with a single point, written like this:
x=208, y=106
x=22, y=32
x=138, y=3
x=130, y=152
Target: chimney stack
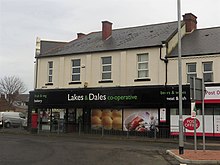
x=190, y=21
x=106, y=30
x=80, y=35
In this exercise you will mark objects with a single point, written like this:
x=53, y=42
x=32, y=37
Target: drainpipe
x=36, y=73
x=165, y=60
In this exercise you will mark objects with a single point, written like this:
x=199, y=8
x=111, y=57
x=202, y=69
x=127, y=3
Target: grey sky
x=21, y=21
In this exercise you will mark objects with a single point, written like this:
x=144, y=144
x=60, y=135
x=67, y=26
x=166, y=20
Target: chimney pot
x=190, y=21
x=80, y=35
x=106, y=29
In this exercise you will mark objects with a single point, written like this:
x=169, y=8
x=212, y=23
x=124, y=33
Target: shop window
x=106, y=68
x=142, y=66
x=50, y=71
x=208, y=111
x=109, y=119
x=216, y=111
x=207, y=72
x=76, y=70
x=191, y=71
x=174, y=111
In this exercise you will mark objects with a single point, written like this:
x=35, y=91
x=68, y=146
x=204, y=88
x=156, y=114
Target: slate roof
x=22, y=97
x=126, y=38
x=47, y=45
x=200, y=42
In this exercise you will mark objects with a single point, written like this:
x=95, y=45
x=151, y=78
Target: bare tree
x=11, y=86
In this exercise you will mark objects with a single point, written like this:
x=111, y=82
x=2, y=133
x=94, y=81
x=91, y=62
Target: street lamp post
x=181, y=144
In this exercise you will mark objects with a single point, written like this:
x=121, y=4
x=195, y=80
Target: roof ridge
x=139, y=26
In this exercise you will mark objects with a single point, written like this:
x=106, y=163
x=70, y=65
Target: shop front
x=112, y=108
x=211, y=116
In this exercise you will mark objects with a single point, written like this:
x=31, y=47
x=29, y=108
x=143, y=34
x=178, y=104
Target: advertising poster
x=188, y=124
x=217, y=125
x=109, y=119
x=139, y=119
x=162, y=115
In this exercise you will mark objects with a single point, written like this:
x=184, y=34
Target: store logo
x=100, y=97
x=189, y=123
x=75, y=97
x=90, y=97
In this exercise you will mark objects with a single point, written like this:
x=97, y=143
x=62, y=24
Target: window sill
x=105, y=81
x=142, y=79
x=49, y=83
x=75, y=82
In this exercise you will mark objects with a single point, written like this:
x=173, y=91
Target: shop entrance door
x=74, y=119
x=57, y=120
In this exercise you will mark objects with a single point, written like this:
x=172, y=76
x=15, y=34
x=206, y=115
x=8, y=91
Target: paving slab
x=197, y=157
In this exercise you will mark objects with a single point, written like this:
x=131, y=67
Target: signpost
x=181, y=143
x=197, y=93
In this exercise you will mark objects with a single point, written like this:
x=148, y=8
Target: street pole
x=181, y=145
x=194, y=99
x=203, y=115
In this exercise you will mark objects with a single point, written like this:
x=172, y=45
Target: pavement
x=207, y=157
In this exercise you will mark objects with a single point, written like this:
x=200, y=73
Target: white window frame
x=208, y=72
x=75, y=67
x=190, y=73
x=50, y=71
x=143, y=69
x=106, y=65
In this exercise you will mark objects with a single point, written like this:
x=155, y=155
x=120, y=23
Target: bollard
x=3, y=125
x=79, y=128
x=102, y=131
x=58, y=127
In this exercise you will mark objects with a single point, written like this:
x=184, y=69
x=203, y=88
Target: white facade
x=199, y=60
x=124, y=69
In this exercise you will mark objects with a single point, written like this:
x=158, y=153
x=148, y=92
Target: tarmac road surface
x=58, y=150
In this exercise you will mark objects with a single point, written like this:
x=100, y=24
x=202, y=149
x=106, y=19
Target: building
x=4, y=105
x=114, y=78
x=200, y=58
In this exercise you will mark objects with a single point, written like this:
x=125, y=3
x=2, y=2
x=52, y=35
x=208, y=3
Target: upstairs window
x=142, y=66
x=106, y=68
x=191, y=71
x=50, y=71
x=207, y=71
x=76, y=69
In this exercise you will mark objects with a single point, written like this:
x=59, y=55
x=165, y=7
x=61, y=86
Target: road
x=57, y=150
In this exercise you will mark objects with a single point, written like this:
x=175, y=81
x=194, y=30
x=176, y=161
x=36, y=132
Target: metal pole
x=79, y=128
x=195, y=138
x=194, y=99
x=203, y=115
x=181, y=145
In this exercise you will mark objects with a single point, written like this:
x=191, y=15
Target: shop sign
x=108, y=97
x=188, y=123
x=212, y=93
x=173, y=94
x=100, y=97
x=38, y=98
x=96, y=97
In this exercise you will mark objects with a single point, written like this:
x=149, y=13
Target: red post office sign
x=188, y=123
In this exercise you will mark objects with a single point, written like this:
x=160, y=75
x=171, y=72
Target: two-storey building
x=200, y=58
x=114, y=78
